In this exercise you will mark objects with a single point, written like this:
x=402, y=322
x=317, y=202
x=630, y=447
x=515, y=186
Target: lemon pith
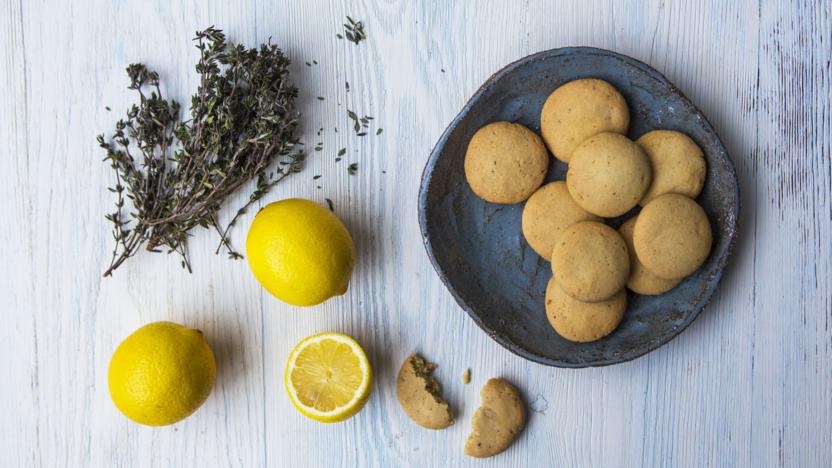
x=300, y=252
x=328, y=377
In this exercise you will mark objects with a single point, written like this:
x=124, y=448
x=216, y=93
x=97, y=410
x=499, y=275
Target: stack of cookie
x=583, y=124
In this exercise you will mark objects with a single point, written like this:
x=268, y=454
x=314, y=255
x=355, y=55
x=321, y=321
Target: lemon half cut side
x=328, y=377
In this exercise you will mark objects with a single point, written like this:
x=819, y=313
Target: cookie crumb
x=466, y=376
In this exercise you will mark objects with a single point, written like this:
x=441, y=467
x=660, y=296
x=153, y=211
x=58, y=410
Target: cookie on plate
x=505, y=162
x=642, y=281
x=547, y=213
x=590, y=261
x=677, y=162
x=578, y=110
x=672, y=236
x=583, y=321
x=608, y=175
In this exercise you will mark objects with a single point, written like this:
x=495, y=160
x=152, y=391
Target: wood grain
x=748, y=384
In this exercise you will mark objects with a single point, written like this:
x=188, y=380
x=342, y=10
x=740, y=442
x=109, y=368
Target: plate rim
x=427, y=174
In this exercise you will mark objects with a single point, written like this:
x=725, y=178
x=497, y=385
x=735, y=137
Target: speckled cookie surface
x=583, y=321
x=419, y=394
x=498, y=421
x=547, y=213
x=578, y=110
x=677, y=162
x=672, y=236
x=608, y=175
x=505, y=162
x=590, y=261
x=641, y=280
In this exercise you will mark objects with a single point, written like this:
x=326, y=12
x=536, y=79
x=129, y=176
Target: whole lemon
x=300, y=252
x=161, y=373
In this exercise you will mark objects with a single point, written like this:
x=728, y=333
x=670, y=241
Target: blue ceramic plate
x=479, y=251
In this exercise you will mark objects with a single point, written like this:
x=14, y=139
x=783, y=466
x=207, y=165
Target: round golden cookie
x=583, y=321
x=677, y=162
x=642, y=281
x=608, y=175
x=578, y=110
x=547, y=213
x=505, y=162
x=590, y=261
x=672, y=236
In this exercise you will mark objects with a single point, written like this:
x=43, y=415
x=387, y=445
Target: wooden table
x=748, y=384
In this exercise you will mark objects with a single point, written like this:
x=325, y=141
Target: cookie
x=505, y=162
x=590, y=261
x=578, y=110
x=498, y=421
x=608, y=175
x=583, y=321
x=642, y=281
x=677, y=162
x=672, y=236
x=547, y=213
x=419, y=394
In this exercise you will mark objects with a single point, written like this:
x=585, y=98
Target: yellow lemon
x=161, y=373
x=328, y=377
x=300, y=252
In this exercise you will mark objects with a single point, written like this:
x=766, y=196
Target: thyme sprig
x=177, y=173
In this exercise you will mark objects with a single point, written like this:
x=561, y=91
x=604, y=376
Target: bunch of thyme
x=177, y=173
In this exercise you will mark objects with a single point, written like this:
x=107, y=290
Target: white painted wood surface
x=748, y=384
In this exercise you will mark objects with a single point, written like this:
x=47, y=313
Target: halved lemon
x=328, y=377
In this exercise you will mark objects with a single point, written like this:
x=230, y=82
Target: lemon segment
x=328, y=377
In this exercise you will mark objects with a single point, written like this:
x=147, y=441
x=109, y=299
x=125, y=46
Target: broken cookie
x=498, y=421
x=420, y=395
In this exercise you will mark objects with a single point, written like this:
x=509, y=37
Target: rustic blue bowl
x=478, y=249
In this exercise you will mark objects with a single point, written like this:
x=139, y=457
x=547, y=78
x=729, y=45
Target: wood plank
x=19, y=393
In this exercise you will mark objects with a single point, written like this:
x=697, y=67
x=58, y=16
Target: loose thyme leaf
x=353, y=31
x=356, y=122
x=342, y=151
x=331, y=205
x=352, y=169
x=178, y=170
